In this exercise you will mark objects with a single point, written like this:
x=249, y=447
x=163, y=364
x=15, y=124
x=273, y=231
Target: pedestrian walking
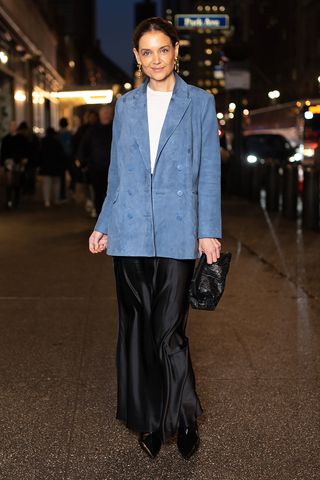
x=90, y=118
x=162, y=210
x=66, y=139
x=15, y=152
x=94, y=153
x=52, y=163
x=29, y=180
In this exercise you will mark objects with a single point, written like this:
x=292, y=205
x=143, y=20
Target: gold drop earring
x=139, y=71
x=176, y=64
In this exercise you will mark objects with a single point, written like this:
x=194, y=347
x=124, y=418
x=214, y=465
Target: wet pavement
x=256, y=358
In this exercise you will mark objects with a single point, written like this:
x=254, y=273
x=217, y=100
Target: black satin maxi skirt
x=156, y=384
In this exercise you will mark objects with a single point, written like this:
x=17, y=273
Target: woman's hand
x=211, y=247
x=98, y=242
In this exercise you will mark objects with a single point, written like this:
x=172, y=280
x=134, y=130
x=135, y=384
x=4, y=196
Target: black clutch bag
x=208, y=282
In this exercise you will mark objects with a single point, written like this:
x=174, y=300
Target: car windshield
x=265, y=145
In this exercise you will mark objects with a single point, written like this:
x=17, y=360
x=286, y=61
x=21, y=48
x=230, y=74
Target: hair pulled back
x=155, y=24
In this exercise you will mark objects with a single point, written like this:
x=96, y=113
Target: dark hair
x=50, y=131
x=155, y=24
x=23, y=126
x=63, y=122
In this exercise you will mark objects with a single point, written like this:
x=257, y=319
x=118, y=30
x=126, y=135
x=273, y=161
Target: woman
x=161, y=211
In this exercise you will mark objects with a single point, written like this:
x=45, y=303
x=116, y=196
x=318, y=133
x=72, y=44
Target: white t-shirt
x=157, y=104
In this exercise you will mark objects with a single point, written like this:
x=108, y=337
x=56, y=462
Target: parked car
x=265, y=146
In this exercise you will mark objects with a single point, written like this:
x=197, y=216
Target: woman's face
x=156, y=55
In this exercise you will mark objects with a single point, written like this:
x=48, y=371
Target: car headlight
x=297, y=157
x=252, y=159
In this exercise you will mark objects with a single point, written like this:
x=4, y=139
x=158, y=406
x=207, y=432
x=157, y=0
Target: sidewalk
x=256, y=358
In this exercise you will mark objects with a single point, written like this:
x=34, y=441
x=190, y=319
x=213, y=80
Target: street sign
x=193, y=22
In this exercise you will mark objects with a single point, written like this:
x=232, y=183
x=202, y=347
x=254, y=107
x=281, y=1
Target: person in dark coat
x=15, y=152
x=52, y=162
x=29, y=177
x=66, y=139
x=90, y=118
x=94, y=153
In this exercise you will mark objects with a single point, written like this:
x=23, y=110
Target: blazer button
x=179, y=193
x=130, y=215
x=179, y=167
x=179, y=217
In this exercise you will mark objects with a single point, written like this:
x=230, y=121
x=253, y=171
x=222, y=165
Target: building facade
x=280, y=46
x=206, y=49
x=47, y=46
x=201, y=49
x=28, y=66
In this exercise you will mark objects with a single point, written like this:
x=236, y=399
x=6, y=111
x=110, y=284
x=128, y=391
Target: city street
x=150, y=100
x=256, y=358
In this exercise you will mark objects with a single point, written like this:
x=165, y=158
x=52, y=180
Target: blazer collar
x=177, y=107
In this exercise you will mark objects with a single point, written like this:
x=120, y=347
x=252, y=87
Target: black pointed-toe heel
x=150, y=443
x=188, y=440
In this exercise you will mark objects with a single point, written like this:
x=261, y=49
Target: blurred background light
x=20, y=96
x=3, y=57
x=308, y=115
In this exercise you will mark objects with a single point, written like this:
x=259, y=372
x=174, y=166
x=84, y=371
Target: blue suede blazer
x=163, y=215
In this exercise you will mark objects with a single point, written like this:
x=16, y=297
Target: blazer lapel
x=139, y=117
x=178, y=105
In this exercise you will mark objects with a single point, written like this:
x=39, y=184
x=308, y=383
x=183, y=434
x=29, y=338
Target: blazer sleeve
x=209, y=184
x=113, y=175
